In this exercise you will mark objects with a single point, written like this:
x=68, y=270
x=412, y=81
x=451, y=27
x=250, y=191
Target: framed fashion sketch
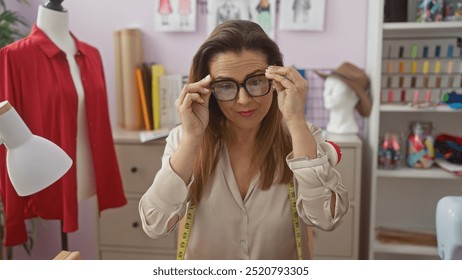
x=175, y=15
x=262, y=12
x=302, y=15
x=219, y=11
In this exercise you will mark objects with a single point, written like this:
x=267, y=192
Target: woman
x=243, y=139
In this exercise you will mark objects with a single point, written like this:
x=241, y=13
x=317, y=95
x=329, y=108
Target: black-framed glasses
x=227, y=90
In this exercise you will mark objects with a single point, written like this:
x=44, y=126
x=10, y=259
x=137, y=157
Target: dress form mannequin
x=53, y=20
x=340, y=100
x=40, y=78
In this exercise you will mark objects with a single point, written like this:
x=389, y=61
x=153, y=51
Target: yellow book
x=141, y=91
x=157, y=71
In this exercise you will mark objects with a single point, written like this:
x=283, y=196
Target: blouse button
x=243, y=243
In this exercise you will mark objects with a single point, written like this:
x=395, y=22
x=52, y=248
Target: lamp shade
x=33, y=162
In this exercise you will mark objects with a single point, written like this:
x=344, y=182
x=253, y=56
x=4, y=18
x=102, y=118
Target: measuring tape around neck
x=183, y=244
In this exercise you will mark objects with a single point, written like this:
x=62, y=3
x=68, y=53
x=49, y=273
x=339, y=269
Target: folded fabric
x=449, y=147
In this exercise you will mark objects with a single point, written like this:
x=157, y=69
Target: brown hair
x=273, y=140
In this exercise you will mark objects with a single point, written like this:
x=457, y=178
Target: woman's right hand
x=193, y=107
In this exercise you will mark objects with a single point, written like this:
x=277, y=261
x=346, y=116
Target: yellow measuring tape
x=295, y=220
x=186, y=233
x=190, y=220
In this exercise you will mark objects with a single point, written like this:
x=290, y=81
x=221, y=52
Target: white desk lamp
x=33, y=162
x=449, y=227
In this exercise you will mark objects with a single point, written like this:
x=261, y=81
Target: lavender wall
x=343, y=39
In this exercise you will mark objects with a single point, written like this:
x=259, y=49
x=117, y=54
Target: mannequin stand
x=55, y=5
x=64, y=240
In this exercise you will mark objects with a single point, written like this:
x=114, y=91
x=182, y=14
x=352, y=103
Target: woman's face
x=244, y=112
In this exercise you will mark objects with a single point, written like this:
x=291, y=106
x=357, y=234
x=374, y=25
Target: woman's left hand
x=292, y=91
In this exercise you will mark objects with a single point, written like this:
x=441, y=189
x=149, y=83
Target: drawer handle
x=135, y=224
x=134, y=169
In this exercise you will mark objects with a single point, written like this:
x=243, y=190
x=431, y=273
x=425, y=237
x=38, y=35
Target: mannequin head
x=340, y=99
x=338, y=96
x=356, y=79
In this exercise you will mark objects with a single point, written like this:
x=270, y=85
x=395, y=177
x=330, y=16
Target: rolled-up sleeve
x=315, y=182
x=166, y=198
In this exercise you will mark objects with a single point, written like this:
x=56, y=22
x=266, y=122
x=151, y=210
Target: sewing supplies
x=389, y=151
x=391, y=96
x=413, y=65
x=420, y=151
x=452, y=99
x=449, y=147
x=450, y=69
x=425, y=71
x=437, y=72
x=416, y=97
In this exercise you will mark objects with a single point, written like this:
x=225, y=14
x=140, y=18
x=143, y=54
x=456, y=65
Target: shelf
x=422, y=29
x=404, y=249
x=410, y=173
x=408, y=108
x=409, y=26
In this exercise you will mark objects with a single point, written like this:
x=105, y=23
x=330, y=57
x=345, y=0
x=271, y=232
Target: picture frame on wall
x=175, y=15
x=305, y=15
x=219, y=11
x=262, y=12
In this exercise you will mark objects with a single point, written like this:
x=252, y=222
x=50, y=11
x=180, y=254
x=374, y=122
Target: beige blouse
x=258, y=227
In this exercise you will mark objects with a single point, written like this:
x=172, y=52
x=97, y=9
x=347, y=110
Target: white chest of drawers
x=343, y=242
x=121, y=234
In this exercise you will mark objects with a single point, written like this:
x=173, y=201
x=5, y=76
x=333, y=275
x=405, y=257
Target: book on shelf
x=157, y=70
x=169, y=90
x=147, y=82
x=142, y=95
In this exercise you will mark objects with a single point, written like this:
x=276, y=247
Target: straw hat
x=357, y=80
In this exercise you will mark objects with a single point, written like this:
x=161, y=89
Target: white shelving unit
x=404, y=198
